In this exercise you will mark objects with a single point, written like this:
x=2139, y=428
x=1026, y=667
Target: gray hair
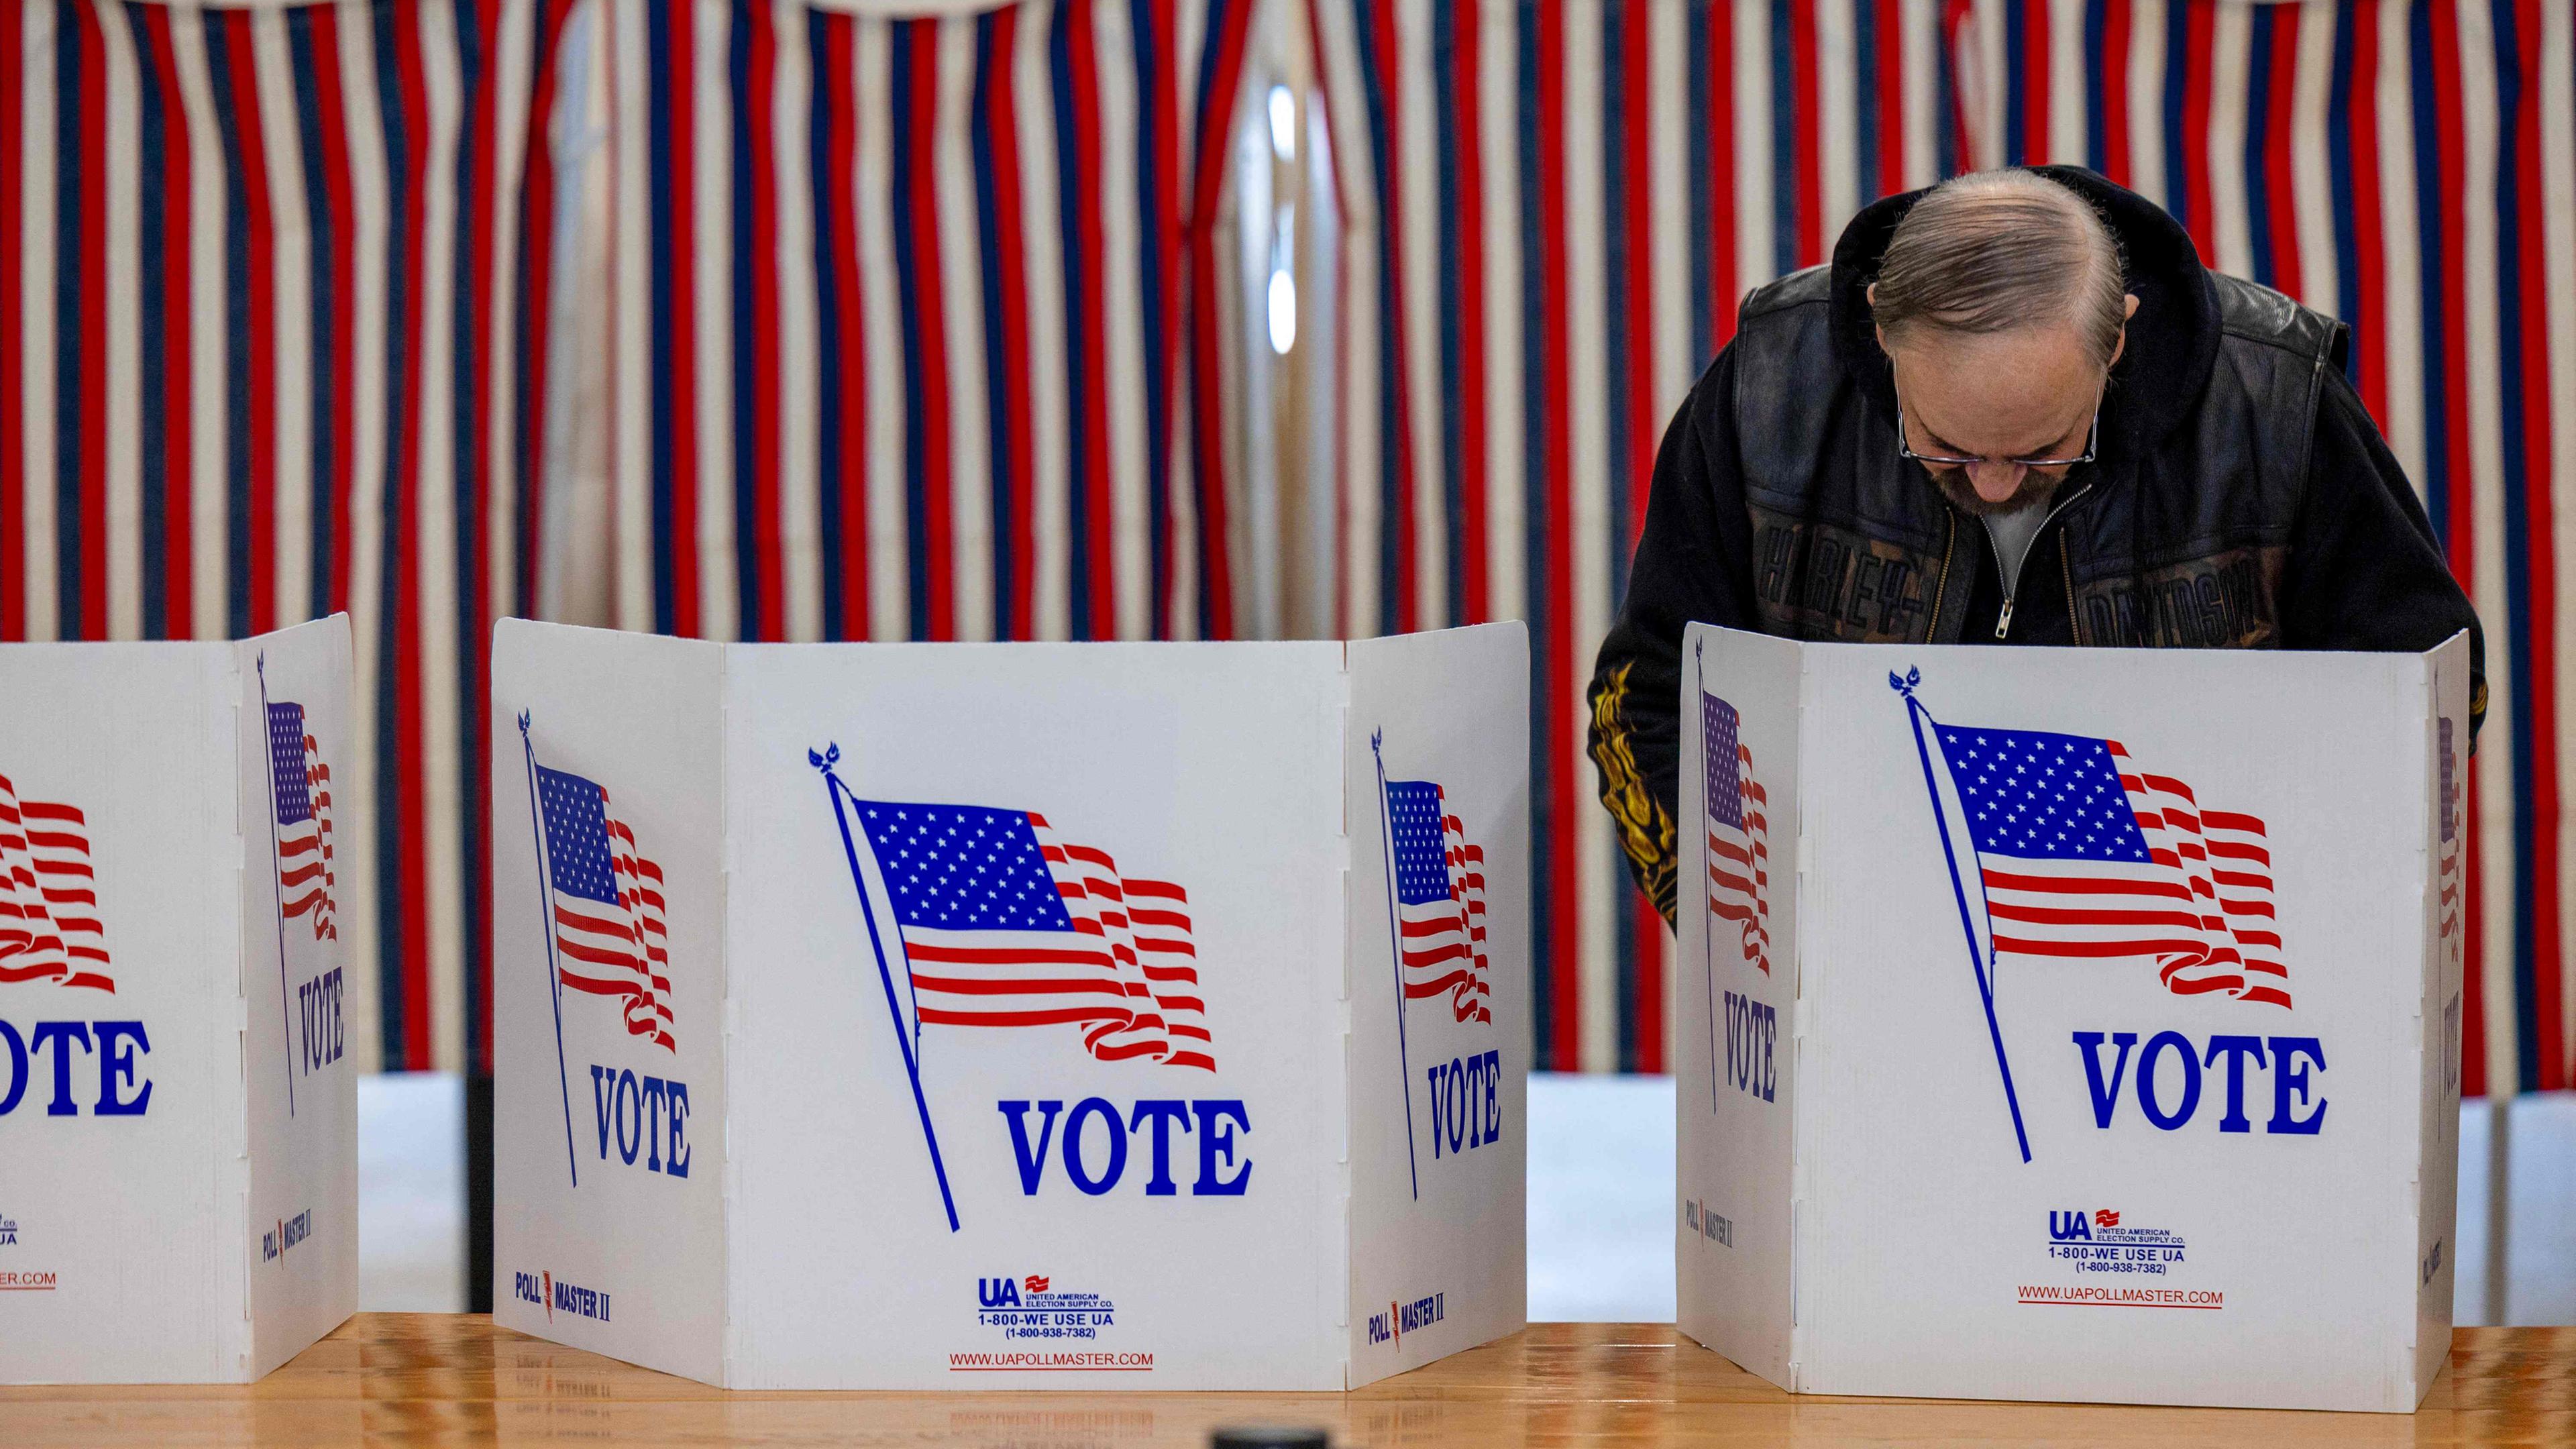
x=1995, y=251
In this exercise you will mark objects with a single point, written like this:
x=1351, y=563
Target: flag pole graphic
x=554, y=972
x=1707, y=938
x=1918, y=716
x=268, y=747
x=833, y=787
x=1395, y=944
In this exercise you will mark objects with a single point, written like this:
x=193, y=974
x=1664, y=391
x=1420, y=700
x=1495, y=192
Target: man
x=2015, y=409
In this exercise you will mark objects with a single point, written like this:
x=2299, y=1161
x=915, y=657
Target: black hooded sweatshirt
x=2242, y=498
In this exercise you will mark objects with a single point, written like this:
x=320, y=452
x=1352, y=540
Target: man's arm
x=2364, y=572
x=1693, y=562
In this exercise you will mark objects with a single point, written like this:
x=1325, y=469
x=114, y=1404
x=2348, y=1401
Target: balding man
x=2015, y=409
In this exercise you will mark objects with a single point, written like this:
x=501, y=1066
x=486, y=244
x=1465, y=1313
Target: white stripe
x=1838, y=135
x=2147, y=102
x=2401, y=258
x=1669, y=213
x=124, y=340
x=2485, y=422
x=1919, y=32
x=1049, y=357
x=1357, y=328
x=889, y=608
x=2320, y=276
x=2067, y=67
x=434, y=540
x=1122, y=205
x=631, y=320
x=1598, y=871
x=291, y=322
x=961, y=282
x=2557, y=201
x=2232, y=33
x=1417, y=243
x=1993, y=91
x=711, y=294
x=1497, y=140
x=800, y=437
x=1752, y=205
x=210, y=487
x=367, y=232
x=37, y=338
x=510, y=57
x=577, y=576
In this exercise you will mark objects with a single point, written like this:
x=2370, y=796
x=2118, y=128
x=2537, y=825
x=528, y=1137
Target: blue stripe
x=902, y=36
x=1865, y=136
x=400, y=205
x=747, y=342
x=473, y=486
x=1205, y=372
x=831, y=215
x=2177, y=68
x=2259, y=200
x=152, y=225
x=324, y=232
x=1444, y=127
x=1535, y=531
x=68, y=520
x=219, y=64
x=1619, y=275
x=1945, y=86
x=2348, y=299
x=2510, y=61
x=1154, y=102
x=2429, y=191
x=2017, y=138
x=1071, y=198
x=1784, y=145
x=2097, y=124
x=1391, y=380
x=998, y=363
x=1703, y=218
x=657, y=182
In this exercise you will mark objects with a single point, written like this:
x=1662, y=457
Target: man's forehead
x=1999, y=396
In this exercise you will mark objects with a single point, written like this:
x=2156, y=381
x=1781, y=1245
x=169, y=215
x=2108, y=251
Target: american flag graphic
x=1004, y=924
x=2085, y=856
x=1439, y=900
x=49, y=916
x=2446, y=870
x=1739, y=839
x=606, y=899
x=305, y=875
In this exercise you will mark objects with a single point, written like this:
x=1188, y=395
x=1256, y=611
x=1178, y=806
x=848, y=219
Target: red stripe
x=1059, y=1016
x=339, y=196
x=1469, y=128
x=2114, y=61
x=178, y=538
x=1001, y=105
x=1954, y=34
x=2102, y=950
x=404, y=580
x=2540, y=606
x=2035, y=86
x=1645, y=419
x=2371, y=327
x=1391, y=256
x=536, y=242
x=232, y=30
x=93, y=384
x=2279, y=139
x=760, y=81
x=1890, y=25
x=13, y=442
x=1154, y=103
x=1564, y=956
x=2091, y=885
x=1723, y=282
x=1804, y=65
x=1101, y=520
x=683, y=311
x=930, y=295
x=1216, y=558
x=2194, y=140
x=840, y=226
x=1342, y=447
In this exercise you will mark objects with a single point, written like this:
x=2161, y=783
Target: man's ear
x=2128, y=310
x=1870, y=294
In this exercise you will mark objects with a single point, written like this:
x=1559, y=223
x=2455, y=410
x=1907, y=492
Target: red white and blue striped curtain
x=265, y=353
x=914, y=331
x=733, y=318
x=1551, y=208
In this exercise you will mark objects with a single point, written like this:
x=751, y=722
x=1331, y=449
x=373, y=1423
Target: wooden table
x=430, y=1378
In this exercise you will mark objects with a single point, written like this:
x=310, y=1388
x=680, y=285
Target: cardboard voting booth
x=1011, y=1015
x=2071, y=1024
x=178, y=1123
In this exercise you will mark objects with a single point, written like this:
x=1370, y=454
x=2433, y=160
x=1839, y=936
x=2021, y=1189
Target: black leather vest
x=2176, y=540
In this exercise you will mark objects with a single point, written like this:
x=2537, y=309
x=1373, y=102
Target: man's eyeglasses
x=2092, y=436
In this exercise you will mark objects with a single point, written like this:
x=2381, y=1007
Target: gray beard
x=2035, y=491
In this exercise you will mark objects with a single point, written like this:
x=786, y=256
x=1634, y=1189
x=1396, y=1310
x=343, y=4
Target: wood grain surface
x=407, y=1379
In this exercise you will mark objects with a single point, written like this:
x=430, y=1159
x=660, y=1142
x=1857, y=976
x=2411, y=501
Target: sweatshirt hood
x=2173, y=340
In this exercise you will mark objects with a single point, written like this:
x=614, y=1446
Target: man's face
x=1997, y=397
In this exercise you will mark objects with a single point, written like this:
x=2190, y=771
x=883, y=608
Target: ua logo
x=997, y=1292
x=2070, y=1227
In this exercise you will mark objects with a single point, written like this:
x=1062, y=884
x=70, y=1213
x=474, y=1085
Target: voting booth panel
x=178, y=1123
x=2076, y=1024
x=974, y=1016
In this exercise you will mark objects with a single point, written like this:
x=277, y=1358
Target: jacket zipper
x=2012, y=586
x=1942, y=587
